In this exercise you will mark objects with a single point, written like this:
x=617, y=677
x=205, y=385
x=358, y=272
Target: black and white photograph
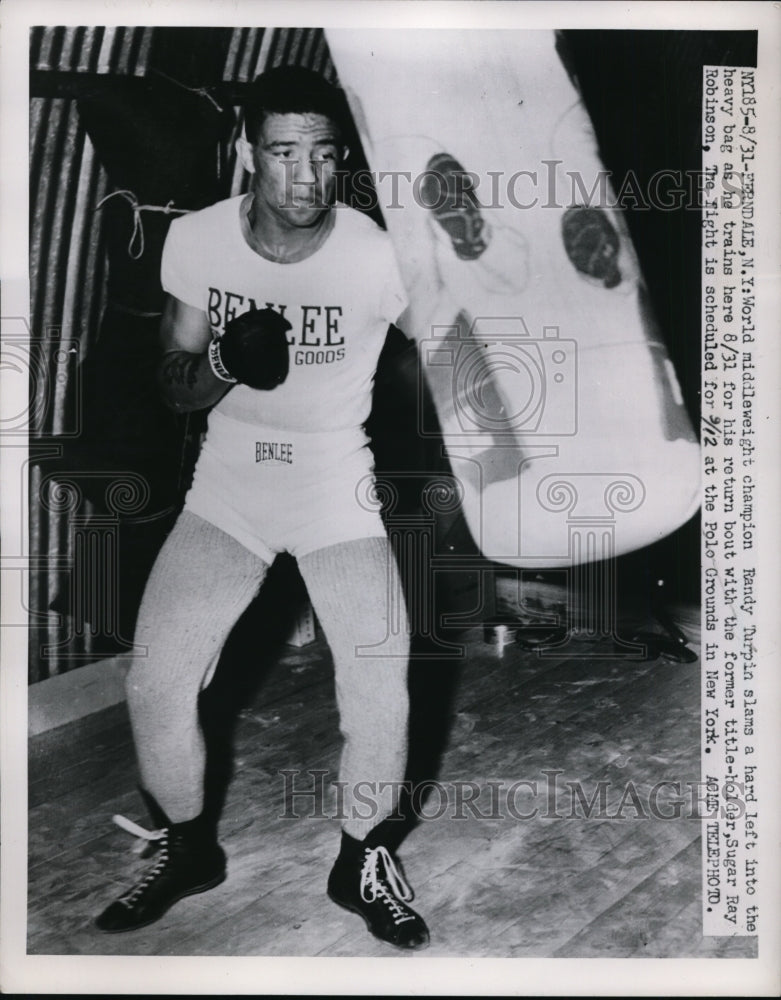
x=387, y=568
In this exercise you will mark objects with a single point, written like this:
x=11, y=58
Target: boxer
x=278, y=304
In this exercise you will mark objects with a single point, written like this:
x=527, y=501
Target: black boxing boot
x=189, y=861
x=367, y=879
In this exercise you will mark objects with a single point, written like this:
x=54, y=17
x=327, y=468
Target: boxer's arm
x=184, y=374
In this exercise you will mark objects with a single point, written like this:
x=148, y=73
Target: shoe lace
x=146, y=839
x=392, y=892
x=131, y=897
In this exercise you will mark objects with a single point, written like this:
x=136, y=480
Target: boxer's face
x=294, y=161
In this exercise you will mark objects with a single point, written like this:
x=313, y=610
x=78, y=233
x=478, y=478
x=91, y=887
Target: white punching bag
x=557, y=402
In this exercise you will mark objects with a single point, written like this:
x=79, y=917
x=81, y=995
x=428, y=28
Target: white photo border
x=20, y=972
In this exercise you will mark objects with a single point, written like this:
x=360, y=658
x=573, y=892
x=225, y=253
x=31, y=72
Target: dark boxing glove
x=253, y=350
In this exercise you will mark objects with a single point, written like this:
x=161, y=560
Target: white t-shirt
x=340, y=302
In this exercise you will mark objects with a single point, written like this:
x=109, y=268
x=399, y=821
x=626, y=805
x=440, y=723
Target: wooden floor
x=612, y=885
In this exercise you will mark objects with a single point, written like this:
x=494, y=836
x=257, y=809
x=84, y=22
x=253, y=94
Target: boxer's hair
x=291, y=90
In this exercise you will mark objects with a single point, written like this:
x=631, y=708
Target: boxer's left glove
x=253, y=350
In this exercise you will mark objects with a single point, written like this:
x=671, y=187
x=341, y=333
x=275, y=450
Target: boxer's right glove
x=253, y=350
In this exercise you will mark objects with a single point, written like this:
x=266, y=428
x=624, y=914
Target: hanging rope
x=200, y=91
x=138, y=229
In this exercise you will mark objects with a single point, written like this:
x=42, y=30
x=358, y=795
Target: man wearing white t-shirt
x=278, y=306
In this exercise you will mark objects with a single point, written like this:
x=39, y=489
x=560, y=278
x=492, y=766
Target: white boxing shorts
x=285, y=491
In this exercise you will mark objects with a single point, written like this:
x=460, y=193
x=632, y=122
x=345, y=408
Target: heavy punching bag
x=560, y=411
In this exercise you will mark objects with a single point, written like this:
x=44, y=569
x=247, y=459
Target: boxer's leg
x=355, y=590
x=201, y=582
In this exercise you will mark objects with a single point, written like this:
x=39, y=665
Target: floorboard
x=530, y=874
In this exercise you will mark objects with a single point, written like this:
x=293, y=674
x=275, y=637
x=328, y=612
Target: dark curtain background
x=97, y=518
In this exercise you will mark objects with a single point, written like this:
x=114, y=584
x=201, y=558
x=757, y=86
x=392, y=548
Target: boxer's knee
x=153, y=693
x=144, y=692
